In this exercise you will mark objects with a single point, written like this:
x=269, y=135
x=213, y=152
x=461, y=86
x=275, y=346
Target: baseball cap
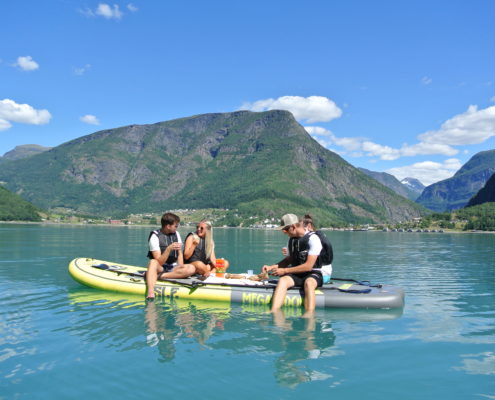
x=288, y=219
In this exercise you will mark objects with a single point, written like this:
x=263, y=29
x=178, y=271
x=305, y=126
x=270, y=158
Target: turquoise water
x=62, y=340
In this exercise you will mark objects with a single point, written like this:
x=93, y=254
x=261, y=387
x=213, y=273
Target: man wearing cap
x=301, y=267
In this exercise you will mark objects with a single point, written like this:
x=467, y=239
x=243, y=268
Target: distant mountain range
x=390, y=181
x=455, y=192
x=262, y=164
x=24, y=151
x=413, y=184
x=485, y=195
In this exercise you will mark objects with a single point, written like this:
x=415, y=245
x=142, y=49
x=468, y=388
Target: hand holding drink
x=176, y=246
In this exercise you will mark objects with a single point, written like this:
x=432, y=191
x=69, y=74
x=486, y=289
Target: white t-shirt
x=315, y=248
x=154, y=243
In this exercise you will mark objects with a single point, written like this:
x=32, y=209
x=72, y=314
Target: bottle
x=220, y=266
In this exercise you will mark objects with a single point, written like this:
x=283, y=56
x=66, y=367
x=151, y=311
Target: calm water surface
x=59, y=339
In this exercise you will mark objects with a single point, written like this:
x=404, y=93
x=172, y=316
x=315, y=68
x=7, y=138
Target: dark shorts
x=168, y=267
x=299, y=279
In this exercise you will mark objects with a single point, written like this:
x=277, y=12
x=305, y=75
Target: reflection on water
x=55, y=333
x=166, y=324
x=302, y=339
x=290, y=339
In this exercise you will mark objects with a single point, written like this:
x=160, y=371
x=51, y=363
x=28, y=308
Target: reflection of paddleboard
x=130, y=279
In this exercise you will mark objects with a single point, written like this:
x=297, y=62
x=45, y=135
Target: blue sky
x=397, y=86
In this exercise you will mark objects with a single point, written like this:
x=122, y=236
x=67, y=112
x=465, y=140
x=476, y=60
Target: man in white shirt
x=166, y=258
x=301, y=267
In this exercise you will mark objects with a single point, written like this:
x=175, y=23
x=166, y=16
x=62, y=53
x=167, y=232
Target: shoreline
x=45, y=223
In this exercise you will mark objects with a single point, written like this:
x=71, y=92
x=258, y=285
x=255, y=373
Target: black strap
x=362, y=283
x=118, y=271
x=350, y=290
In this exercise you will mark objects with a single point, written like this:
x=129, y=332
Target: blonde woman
x=199, y=249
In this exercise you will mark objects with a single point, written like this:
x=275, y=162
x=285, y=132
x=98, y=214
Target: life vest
x=299, y=247
x=199, y=253
x=165, y=241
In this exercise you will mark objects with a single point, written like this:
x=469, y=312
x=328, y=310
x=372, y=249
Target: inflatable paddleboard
x=339, y=293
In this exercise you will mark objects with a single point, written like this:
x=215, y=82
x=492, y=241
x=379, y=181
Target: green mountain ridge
x=262, y=164
x=14, y=208
x=455, y=192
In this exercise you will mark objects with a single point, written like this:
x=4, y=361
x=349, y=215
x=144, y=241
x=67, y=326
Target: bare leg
x=154, y=268
x=180, y=271
x=310, y=285
x=284, y=283
x=279, y=319
x=201, y=268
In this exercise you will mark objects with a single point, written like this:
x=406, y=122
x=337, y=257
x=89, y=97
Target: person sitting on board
x=301, y=267
x=166, y=258
x=326, y=256
x=199, y=250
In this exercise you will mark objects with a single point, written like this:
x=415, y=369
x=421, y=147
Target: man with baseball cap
x=301, y=267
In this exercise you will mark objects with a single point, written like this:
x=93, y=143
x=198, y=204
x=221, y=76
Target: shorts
x=299, y=279
x=168, y=267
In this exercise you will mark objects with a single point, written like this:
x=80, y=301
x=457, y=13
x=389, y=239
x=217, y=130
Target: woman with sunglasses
x=199, y=249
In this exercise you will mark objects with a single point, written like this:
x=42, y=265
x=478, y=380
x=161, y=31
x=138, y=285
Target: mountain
x=14, y=208
x=391, y=182
x=262, y=164
x=413, y=184
x=485, y=195
x=24, y=150
x=455, y=192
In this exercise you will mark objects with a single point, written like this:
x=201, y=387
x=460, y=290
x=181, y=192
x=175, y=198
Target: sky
x=404, y=87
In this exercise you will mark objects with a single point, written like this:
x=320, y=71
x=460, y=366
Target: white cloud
x=104, y=10
x=132, y=7
x=427, y=172
x=425, y=80
x=492, y=99
x=90, y=119
x=472, y=127
x=108, y=12
x=427, y=149
x=10, y=111
x=312, y=108
x=378, y=150
x=357, y=145
x=319, y=131
x=81, y=70
x=4, y=125
x=26, y=63
x=348, y=143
